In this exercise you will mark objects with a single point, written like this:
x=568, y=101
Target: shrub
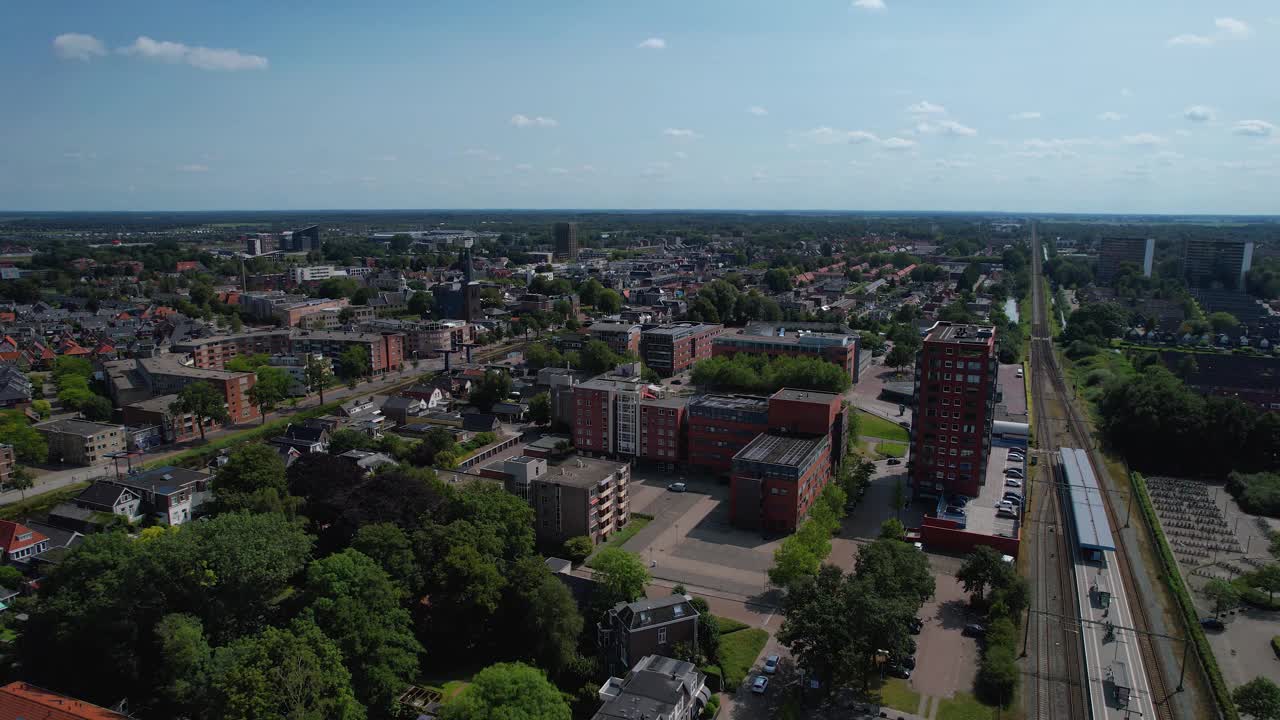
x=713, y=705
x=1275, y=645
x=715, y=679
x=576, y=549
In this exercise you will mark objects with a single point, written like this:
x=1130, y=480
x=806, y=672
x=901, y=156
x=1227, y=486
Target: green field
x=40, y=503
x=964, y=706
x=890, y=449
x=738, y=652
x=876, y=426
x=897, y=694
x=618, y=539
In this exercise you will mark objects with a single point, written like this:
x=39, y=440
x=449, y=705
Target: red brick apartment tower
x=955, y=396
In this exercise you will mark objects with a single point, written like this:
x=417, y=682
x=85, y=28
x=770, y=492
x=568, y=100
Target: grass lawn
x=964, y=706
x=889, y=449
x=729, y=625
x=38, y=503
x=876, y=426
x=634, y=525
x=897, y=694
x=452, y=689
x=738, y=652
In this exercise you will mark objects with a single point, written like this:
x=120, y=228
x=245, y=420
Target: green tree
x=247, y=363
x=269, y=390
x=621, y=576
x=892, y=529
x=608, y=301
x=353, y=363
x=204, y=402
x=253, y=479
x=778, y=279
x=577, y=549
x=10, y=577
x=344, y=439
x=492, y=389
x=389, y=546
x=816, y=627
x=42, y=408
x=589, y=291
x=96, y=407
x=1268, y=578
x=505, y=691
x=540, y=409
x=793, y=561
x=318, y=374
x=1224, y=596
x=982, y=568
x=293, y=674
x=421, y=304
x=355, y=599
x=1224, y=323
x=186, y=661
x=900, y=356
x=541, y=616
x=597, y=357
x=1260, y=698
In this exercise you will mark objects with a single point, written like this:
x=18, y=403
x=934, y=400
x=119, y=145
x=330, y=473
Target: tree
x=344, y=439
x=493, y=388
x=1224, y=323
x=816, y=628
x=353, y=363
x=793, y=561
x=540, y=409
x=96, y=407
x=357, y=603
x=982, y=568
x=11, y=577
x=247, y=363
x=900, y=356
x=589, y=291
x=608, y=301
x=421, y=303
x=42, y=408
x=578, y=549
x=1260, y=697
x=186, y=658
x=1224, y=596
x=541, y=616
x=892, y=529
x=253, y=479
x=508, y=690
x=778, y=279
x=597, y=357
x=317, y=373
x=204, y=402
x=22, y=480
x=269, y=389
x=281, y=674
x=621, y=576
x=1268, y=578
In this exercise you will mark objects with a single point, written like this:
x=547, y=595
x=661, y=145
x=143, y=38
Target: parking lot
x=980, y=514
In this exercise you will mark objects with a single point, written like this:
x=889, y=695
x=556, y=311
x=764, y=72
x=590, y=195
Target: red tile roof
x=9, y=532
x=23, y=701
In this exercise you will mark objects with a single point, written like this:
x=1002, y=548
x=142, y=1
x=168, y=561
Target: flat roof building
x=81, y=442
x=776, y=479
x=1115, y=252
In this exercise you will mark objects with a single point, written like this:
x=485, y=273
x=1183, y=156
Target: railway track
x=1071, y=427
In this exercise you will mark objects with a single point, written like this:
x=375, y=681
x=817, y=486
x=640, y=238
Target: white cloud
x=1126, y=92
x=680, y=133
x=870, y=5
x=1233, y=27
x=1111, y=115
x=1025, y=115
x=759, y=176
x=757, y=111
x=522, y=121
x=76, y=46
x=1144, y=139
x=586, y=168
x=1198, y=113
x=1166, y=157
x=862, y=136
x=1227, y=28
x=199, y=57
x=1253, y=128
x=924, y=107
x=1058, y=148
x=193, y=168
x=481, y=153
x=681, y=155
x=523, y=167
x=897, y=143
x=945, y=127
x=653, y=43
x=557, y=171
x=952, y=164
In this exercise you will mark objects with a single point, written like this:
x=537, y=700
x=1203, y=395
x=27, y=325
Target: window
x=662, y=636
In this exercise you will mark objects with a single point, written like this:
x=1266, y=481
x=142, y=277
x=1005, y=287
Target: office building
x=607, y=412
x=811, y=412
x=1115, y=252
x=1217, y=263
x=167, y=375
x=671, y=349
x=313, y=273
x=566, y=240
x=720, y=426
x=955, y=389
x=304, y=240
x=776, y=479
x=622, y=338
x=580, y=496
x=81, y=442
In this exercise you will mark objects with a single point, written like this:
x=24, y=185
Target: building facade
x=842, y=350
x=672, y=349
x=955, y=389
x=607, y=413
x=663, y=429
x=81, y=442
x=580, y=496
x=622, y=338
x=720, y=426
x=1115, y=252
x=565, y=235
x=776, y=479
x=648, y=626
x=1212, y=263
x=8, y=461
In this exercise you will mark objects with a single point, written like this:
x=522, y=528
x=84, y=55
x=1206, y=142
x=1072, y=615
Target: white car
x=771, y=664
x=760, y=684
x=1012, y=482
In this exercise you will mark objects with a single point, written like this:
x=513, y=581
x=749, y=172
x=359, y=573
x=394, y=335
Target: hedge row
x=1190, y=618
x=200, y=456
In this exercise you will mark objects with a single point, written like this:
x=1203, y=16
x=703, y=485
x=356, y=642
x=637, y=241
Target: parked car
x=1012, y=482
x=915, y=626
x=760, y=684
x=677, y=381
x=974, y=630
x=953, y=510
x=908, y=662
x=677, y=487
x=1006, y=513
x=893, y=461
x=1013, y=473
x=899, y=671
x=1013, y=498
x=1212, y=623
x=771, y=664
x=1019, y=372
x=958, y=500
x=1017, y=457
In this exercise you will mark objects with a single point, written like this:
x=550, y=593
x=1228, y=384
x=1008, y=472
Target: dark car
x=893, y=461
x=1212, y=623
x=974, y=630
x=916, y=625
x=899, y=671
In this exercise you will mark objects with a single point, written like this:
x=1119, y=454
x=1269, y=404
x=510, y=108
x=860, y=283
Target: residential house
x=24, y=701
x=305, y=438
x=109, y=498
x=659, y=688
x=19, y=542
x=645, y=627
x=367, y=461
x=173, y=495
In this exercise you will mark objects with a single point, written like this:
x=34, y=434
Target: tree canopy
x=508, y=691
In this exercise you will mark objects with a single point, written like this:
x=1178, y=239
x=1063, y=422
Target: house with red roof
x=189, y=266
x=19, y=542
x=24, y=701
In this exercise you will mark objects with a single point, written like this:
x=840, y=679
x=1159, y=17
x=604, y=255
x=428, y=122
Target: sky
x=1046, y=106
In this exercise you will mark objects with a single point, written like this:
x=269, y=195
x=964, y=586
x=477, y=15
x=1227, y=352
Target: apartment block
x=167, y=375
x=212, y=353
x=812, y=413
x=81, y=442
x=955, y=389
x=314, y=273
x=663, y=429
x=776, y=479
x=606, y=416
x=622, y=338
x=1214, y=263
x=386, y=350
x=840, y=349
x=1115, y=252
x=565, y=235
x=580, y=496
x=672, y=349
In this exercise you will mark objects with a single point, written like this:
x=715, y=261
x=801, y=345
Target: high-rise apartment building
x=566, y=240
x=607, y=413
x=1114, y=252
x=1217, y=263
x=672, y=349
x=955, y=395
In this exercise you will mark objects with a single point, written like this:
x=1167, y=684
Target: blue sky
x=1082, y=106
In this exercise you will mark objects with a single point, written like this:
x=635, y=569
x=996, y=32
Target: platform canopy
x=1088, y=514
